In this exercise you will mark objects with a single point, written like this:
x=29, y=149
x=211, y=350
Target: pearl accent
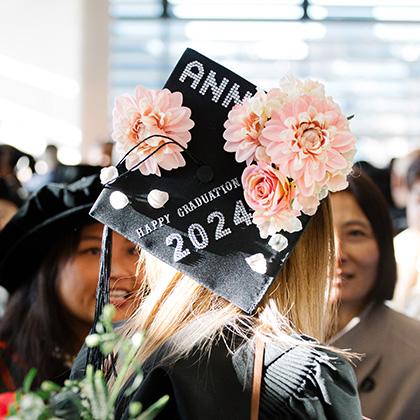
x=157, y=199
x=118, y=200
x=108, y=174
x=278, y=242
x=257, y=263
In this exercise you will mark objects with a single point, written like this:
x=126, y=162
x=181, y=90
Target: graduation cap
x=184, y=190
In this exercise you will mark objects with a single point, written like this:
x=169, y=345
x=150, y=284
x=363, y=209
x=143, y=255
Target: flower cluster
x=90, y=397
x=297, y=145
x=152, y=113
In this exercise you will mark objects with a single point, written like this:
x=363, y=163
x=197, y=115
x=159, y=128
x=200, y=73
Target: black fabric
x=200, y=387
x=13, y=369
x=299, y=382
x=210, y=182
x=9, y=193
x=30, y=233
x=306, y=383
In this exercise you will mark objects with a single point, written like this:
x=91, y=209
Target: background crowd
x=49, y=264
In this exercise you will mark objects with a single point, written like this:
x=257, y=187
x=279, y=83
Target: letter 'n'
x=216, y=89
x=235, y=96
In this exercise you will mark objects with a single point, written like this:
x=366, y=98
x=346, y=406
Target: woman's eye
x=91, y=251
x=355, y=233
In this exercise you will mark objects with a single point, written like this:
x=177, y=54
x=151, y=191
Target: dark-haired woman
x=49, y=263
x=389, y=372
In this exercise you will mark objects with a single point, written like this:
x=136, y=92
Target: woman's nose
x=122, y=266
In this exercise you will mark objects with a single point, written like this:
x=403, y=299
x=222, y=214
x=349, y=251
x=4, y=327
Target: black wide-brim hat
x=50, y=212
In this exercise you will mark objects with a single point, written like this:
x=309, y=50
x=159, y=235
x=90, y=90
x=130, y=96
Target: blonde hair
x=176, y=309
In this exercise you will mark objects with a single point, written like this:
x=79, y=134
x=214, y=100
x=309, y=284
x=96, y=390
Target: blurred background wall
x=54, y=75
x=63, y=62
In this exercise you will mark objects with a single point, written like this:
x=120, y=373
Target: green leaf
x=154, y=409
x=45, y=395
x=27, y=382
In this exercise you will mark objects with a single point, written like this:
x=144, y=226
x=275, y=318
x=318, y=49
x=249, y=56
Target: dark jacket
x=13, y=370
x=299, y=382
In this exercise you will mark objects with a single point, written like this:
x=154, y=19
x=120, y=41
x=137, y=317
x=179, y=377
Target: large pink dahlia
x=245, y=124
x=147, y=113
x=309, y=140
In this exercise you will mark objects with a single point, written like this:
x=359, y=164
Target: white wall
x=53, y=74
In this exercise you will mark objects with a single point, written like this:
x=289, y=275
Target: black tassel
x=94, y=355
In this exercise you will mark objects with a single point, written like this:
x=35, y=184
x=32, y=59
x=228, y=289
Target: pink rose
x=271, y=195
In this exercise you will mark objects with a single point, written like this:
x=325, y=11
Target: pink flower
x=245, y=124
x=271, y=195
x=309, y=140
x=6, y=400
x=146, y=113
x=294, y=87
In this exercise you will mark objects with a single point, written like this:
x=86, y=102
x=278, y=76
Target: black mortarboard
x=204, y=230
x=33, y=229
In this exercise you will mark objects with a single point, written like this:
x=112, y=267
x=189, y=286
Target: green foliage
x=89, y=398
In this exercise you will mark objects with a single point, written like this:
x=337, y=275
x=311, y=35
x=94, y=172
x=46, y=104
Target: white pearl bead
x=157, y=198
x=118, y=200
x=257, y=263
x=108, y=174
x=278, y=242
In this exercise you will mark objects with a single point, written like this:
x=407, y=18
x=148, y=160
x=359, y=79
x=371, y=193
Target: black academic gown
x=299, y=382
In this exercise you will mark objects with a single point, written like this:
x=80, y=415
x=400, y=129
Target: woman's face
x=79, y=276
x=357, y=252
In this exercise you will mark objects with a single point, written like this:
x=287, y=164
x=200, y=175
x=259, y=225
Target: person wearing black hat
x=49, y=262
x=230, y=206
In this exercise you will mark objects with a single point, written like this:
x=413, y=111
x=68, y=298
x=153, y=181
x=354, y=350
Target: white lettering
x=211, y=83
x=189, y=73
x=235, y=96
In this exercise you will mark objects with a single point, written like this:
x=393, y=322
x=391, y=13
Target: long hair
x=177, y=310
x=373, y=204
x=35, y=324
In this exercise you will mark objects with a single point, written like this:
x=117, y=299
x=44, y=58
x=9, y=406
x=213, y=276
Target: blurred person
x=16, y=168
x=388, y=373
x=407, y=249
x=50, y=156
x=106, y=153
x=10, y=201
x=399, y=188
x=49, y=263
x=101, y=153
